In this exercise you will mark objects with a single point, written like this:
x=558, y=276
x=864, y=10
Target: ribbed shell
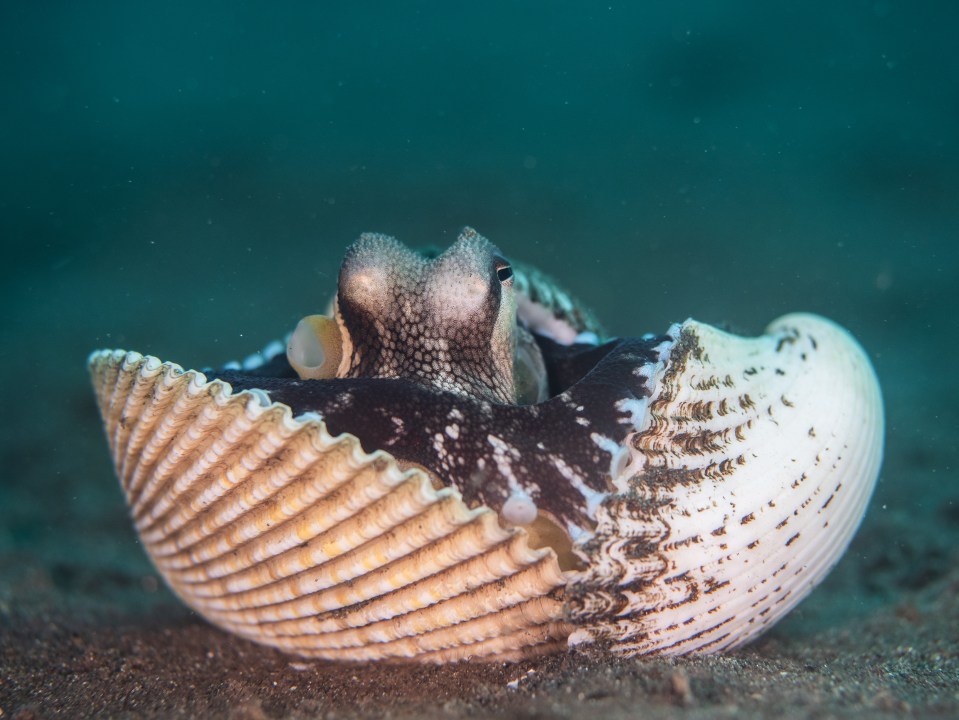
x=752, y=467
x=271, y=528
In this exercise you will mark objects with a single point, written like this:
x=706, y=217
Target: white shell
x=750, y=469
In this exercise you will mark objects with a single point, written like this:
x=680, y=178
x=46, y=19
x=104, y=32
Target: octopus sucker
x=453, y=462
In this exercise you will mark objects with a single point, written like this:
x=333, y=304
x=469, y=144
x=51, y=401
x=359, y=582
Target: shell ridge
x=506, y=582
x=178, y=436
x=214, y=469
x=124, y=410
x=408, y=574
x=167, y=398
x=115, y=375
x=472, y=615
x=296, y=485
x=241, y=504
x=301, y=551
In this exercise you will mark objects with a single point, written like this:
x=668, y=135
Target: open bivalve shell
x=271, y=528
x=673, y=495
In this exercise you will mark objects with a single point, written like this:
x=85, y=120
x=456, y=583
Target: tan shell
x=749, y=470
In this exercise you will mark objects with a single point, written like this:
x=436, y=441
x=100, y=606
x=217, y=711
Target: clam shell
x=750, y=467
x=272, y=529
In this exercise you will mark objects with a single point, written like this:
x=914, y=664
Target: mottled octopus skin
x=439, y=321
x=692, y=488
x=481, y=447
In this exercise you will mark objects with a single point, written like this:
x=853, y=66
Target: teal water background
x=182, y=179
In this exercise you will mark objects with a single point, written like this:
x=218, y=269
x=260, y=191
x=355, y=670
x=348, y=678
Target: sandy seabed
x=901, y=661
x=184, y=184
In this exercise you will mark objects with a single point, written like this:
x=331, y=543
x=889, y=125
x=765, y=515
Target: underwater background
x=182, y=179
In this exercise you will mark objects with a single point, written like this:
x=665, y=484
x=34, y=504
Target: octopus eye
x=504, y=272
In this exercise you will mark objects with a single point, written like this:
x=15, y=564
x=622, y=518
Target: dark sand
x=185, y=184
x=899, y=661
